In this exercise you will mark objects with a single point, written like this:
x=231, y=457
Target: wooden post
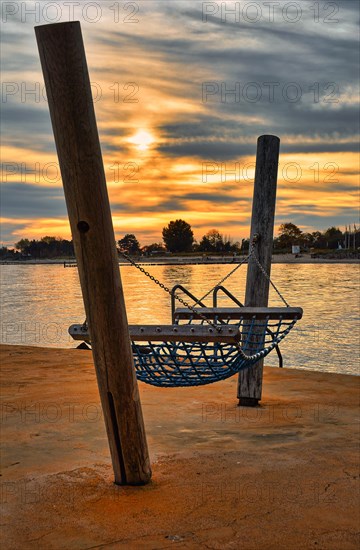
x=262, y=225
x=72, y=113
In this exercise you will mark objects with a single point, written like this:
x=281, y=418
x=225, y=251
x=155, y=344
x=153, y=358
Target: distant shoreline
x=197, y=260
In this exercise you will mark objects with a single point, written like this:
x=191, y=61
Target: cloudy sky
x=182, y=90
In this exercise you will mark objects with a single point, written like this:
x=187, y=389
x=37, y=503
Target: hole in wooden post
x=83, y=226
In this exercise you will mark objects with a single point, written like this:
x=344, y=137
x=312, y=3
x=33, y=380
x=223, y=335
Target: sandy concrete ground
x=282, y=476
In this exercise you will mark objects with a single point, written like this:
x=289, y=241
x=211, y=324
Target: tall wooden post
x=72, y=113
x=262, y=226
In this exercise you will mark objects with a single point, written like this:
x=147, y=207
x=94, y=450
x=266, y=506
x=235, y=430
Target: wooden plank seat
x=237, y=313
x=170, y=333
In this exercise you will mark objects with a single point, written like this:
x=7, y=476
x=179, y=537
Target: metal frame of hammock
x=203, y=345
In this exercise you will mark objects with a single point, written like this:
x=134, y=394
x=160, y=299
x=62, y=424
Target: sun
x=142, y=140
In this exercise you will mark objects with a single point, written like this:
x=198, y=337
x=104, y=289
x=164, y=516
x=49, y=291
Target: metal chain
x=167, y=289
x=270, y=281
x=229, y=274
x=192, y=308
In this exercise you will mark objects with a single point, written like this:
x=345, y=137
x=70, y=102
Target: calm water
x=39, y=302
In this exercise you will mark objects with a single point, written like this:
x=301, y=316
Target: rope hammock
x=174, y=363
x=204, y=345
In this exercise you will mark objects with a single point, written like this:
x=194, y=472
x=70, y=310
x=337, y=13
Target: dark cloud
x=214, y=197
x=220, y=151
x=183, y=202
x=20, y=200
x=319, y=222
x=205, y=151
x=107, y=147
x=7, y=233
x=320, y=147
x=27, y=126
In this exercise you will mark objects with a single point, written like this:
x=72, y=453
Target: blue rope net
x=177, y=364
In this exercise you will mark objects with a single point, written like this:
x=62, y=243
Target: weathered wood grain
x=71, y=107
x=170, y=333
x=262, y=225
x=240, y=312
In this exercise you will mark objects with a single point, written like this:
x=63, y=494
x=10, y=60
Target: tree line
x=332, y=238
x=178, y=237
x=45, y=248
